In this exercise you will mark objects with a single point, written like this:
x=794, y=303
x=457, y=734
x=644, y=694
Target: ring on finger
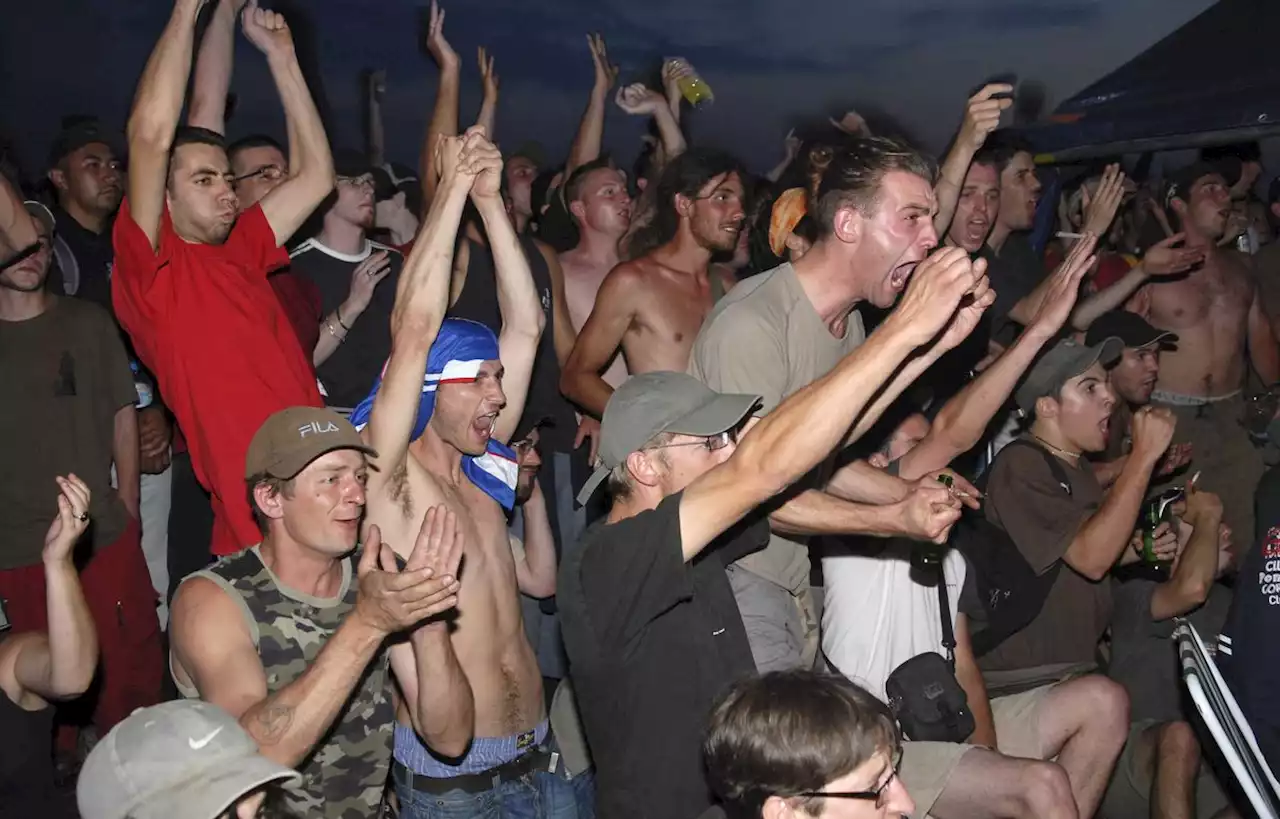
x=82, y=516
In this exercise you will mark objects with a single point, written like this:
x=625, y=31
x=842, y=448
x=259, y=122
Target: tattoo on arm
x=273, y=723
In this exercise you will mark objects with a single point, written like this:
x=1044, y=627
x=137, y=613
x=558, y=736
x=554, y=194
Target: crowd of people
x=507, y=487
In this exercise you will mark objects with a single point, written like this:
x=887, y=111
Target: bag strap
x=944, y=609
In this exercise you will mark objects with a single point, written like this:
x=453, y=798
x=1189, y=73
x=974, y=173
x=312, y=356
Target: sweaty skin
x=582, y=281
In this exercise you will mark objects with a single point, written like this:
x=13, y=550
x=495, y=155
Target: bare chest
x=665, y=325
x=1218, y=294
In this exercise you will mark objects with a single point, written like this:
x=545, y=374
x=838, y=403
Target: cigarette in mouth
x=1068, y=235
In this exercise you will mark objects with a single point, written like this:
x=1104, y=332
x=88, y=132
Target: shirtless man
x=438, y=419
x=1218, y=316
x=652, y=307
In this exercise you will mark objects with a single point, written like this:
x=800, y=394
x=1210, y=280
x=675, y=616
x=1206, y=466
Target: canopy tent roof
x=1213, y=81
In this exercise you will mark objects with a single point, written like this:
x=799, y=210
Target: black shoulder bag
x=923, y=692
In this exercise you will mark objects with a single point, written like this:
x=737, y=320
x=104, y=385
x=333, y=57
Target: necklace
x=1074, y=457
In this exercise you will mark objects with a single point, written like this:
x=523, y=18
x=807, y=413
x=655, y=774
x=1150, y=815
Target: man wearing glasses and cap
x=649, y=619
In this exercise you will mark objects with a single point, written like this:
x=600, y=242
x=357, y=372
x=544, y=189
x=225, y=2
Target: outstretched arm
x=1262, y=343
x=444, y=117
x=61, y=663
x=157, y=105
x=536, y=567
x=214, y=63
x=599, y=339
x=639, y=99
x=963, y=419
x=586, y=144
x=310, y=163
x=518, y=302
x=422, y=295
x=790, y=441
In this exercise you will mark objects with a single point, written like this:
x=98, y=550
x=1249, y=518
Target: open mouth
x=484, y=424
x=901, y=275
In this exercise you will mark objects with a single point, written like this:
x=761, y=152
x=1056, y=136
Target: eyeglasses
x=356, y=181
x=713, y=443
x=268, y=172
x=876, y=795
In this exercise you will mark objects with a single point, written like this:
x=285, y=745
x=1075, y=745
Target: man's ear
x=642, y=468
x=58, y=178
x=849, y=225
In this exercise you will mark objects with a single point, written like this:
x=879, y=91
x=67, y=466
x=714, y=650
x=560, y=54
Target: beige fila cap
x=292, y=438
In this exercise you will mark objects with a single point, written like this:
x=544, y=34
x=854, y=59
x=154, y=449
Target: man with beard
x=1218, y=316
x=350, y=270
x=653, y=306
x=450, y=398
x=191, y=279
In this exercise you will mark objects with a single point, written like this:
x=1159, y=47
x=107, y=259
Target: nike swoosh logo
x=197, y=744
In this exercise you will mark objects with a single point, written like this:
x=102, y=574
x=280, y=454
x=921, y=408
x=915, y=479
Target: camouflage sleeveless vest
x=346, y=775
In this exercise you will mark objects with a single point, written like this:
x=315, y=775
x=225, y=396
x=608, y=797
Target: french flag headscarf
x=460, y=348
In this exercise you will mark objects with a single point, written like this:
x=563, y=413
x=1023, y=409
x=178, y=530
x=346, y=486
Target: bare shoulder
x=201, y=609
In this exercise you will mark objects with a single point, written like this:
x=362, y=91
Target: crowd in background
x=490, y=484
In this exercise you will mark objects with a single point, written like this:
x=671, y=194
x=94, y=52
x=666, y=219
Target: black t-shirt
x=349, y=373
x=1014, y=273
x=478, y=302
x=652, y=641
x=84, y=258
x=1248, y=648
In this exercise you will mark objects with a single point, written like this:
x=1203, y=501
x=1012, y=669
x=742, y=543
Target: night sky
x=770, y=63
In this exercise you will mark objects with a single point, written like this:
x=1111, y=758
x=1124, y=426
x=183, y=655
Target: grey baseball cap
x=185, y=758
x=650, y=404
x=1064, y=361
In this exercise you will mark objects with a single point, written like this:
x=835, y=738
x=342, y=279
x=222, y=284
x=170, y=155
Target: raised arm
x=422, y=297
x=60, y=664
x=790, y=441
x=599, y=339
x=157, y=105
x=1104, y=536
x=310, y=163
x=444, y=117
x=586, y=143
x=791, y=149
x=637, y=99
x=518, y=302
x=981, y=117
x=214, y=64
x=962, y=420
x=489, y=104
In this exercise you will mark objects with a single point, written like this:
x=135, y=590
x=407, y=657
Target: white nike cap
x=184, y=759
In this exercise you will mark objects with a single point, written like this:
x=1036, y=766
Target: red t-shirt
x=300, y=299
x=204, y=319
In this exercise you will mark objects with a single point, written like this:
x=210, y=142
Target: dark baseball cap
x=1130, y=328
x=182, y=758
x=1063, y=362
x=292, y=438
x=1178, y=184
x=77, y=133
x=392, y=178
x=351, y=163
x=532, y=151
x=650, y=404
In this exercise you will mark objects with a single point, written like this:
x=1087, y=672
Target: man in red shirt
x=190, y=283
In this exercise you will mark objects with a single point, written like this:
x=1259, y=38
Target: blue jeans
x=537, y=795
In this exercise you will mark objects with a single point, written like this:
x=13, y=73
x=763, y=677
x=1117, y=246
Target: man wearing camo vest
x=291, y=636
